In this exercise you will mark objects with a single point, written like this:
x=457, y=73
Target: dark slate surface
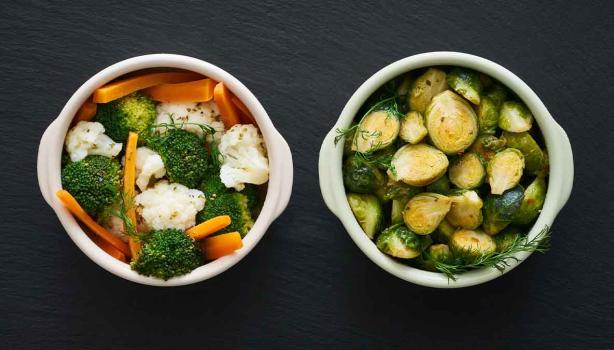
x=306, y=285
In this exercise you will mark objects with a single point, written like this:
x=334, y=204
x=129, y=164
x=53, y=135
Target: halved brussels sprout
x=400, y=242
x=488, y=115
x=505, y=170
x=396, y=212
x=499, y=210
x=360, y=176
x=506, y=238
x=425, y=211
x=376, y=130
x=467, y=172
x=515, y=117
x=367, y=211
x=534, y=157
x=418, y=165
x=532, y=203
x=444, y=232
x=441, y=185
x=466, y=210
x=434, y=254
x=471, y=244
x=412, y=128
x=497, y=94
x=429, y=84
x=398, y=189
x=451, y=123
x=487, y=146
x=467, y=83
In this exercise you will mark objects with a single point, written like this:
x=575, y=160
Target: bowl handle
x=42, y=167
x=285, y=176
x=568, y=169
x=327, y=153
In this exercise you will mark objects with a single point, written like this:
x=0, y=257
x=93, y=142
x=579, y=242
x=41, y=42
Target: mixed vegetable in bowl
x=165, y=170
x=445, y=170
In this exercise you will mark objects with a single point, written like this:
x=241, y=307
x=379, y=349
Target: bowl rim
x=280, y=166
x=557, y=143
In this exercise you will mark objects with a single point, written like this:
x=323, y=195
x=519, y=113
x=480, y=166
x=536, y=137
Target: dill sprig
x=499, y=260
x=121, y=211
x=206, y=129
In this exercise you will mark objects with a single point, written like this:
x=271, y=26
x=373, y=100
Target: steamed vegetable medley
x=165, y=171
x=445, y=169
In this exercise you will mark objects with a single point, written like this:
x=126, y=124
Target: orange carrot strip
x=129, y=178
x=208, y=227
x=121, y=88
x=224, y=244
x=73, y=206
x=222, y=97
x=109, y=248
x=86, y=112
x=192, y=91
x=248, y=117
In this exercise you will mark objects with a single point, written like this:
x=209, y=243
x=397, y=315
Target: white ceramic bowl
x=331, y=182
x=280, y=159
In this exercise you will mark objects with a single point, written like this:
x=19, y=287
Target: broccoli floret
x=93, y=181
x=184, y=155
x=135, y=112
x=251, y=192
x=167, y=253
x=233, y=204
x=212, y=186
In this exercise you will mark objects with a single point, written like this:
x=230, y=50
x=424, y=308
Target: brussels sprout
x=515, y=117
x=487, y=146
x=400, y=242
x=467, y=83
x=396, y=213
x=534, y=157
x=506, y=238
x=376, y=130
x=488, y=115
x=429, y=84
x=466, y=210
x=360, y=176
x=412, y=128
x=471, y=244
x=505, y=170
x=425, y=211
x=444, y=232
x=367, y=210
x=497, y=94
x=418, y=165
x=499, y=210
x=467, y=172
x=441, y=186
x=451, y=123
x=397, y=189
x=532, y=203
x=349, y=140
x=434, y=254
x=404, y=86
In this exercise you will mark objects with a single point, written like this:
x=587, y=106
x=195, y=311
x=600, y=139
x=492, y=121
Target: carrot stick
x=208, y=227
x=109, y=248
x=121, y=88
x=86, y=112
x=73, y=206
x=129, y=178
x=222, y=98
x=192, y=91
x=248, y=117
x=224, y=244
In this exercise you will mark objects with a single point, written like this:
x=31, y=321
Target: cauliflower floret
x=169, y=206
x=88, y=138
x=115, y=225
x=245, y=160
x=203, y=113
x=148, y=164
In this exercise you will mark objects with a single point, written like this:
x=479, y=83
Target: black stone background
x=306, y=285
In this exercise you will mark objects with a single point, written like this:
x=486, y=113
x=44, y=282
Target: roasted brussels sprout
x=425, y=211
x=376, y=130
x=400, y=242
x=471, y=244
x=367, y=210
x=441, y=185
x=382, y=158
x=532, y=203
x=515, y=117
x=467, y=172
x=436, y=253
x=506, y=238
x=412, y=128
x=505, y=170
x=398, y=189
x=396, y=211
x=444, y=232
x=466, y=210
x=418, y=165
x=487, y=146
x=349, y=140
x=534, y=157
x=488, y=115
x=404, y=86
x=451, y=123
x=429, y=84
x=467, y=83
x=499, y=210
x=360, y=176
x=497, y=94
